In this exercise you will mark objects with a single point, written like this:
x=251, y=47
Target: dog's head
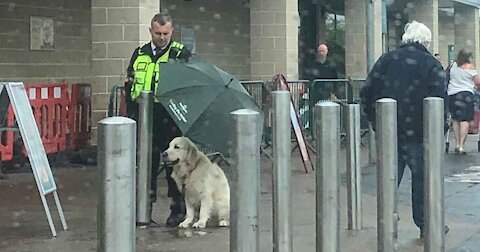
x=181, y=149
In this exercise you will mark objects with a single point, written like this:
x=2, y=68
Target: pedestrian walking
x=462, y=84
x=408, y=74
x=143, y=74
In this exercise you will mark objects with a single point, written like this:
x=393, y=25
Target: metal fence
x=304, y=94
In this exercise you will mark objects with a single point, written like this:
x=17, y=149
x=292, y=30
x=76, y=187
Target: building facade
x=91, y=41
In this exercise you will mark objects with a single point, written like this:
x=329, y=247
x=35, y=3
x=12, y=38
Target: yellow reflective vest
x=146, y=71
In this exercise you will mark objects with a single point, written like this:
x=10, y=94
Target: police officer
x=143, y=74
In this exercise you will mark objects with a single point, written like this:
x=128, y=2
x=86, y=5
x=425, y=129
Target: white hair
x=416, y=32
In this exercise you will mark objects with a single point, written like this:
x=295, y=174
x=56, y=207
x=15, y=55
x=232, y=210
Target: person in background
x=408, y=74
x=321, y=68
x=143, y=74
x=463, y=81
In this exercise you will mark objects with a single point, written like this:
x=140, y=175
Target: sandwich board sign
x=33, y=144
x=281, y=84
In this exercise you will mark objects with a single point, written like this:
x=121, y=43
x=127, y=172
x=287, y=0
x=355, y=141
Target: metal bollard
x=244, y=233
x=327, y=123
x=116, y=202
x=434, y=146
x=144, y=170
x=282, y=218
x=387, y=173
x=354, y=173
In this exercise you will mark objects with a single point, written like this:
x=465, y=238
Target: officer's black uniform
x=164, y=130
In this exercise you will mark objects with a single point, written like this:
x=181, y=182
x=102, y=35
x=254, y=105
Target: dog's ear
x=192, y=151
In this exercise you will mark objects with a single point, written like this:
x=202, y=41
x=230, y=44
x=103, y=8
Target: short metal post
x=387, y=173
x=144, y=170
x=116, y=202
x=244, y=233
x=354, y=173
x=327, y=123
x=434, y=146
x=282, y=219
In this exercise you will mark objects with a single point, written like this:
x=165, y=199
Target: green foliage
x=335, y=25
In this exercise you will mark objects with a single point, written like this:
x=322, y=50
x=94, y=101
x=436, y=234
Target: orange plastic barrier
x=79, y=116
x=6, y=137
x=49, y=104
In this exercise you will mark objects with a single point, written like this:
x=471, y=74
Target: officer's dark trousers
x=411, y=154
x=164, y=130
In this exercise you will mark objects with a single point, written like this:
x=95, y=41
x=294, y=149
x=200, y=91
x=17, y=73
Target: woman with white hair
x=416, y=32
x=408, y=74
x=462, y=84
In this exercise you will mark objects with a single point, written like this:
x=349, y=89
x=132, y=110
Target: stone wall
x=70, y=59
x=222, y=31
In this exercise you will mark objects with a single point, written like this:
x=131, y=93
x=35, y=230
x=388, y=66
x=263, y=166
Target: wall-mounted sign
x=41, y=33
x=188, y=38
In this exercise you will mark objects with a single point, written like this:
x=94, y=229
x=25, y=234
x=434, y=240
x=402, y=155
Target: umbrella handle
x=228, y=84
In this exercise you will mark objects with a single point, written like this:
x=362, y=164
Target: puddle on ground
x=187, y=233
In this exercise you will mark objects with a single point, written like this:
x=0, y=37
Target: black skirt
x=461, y=106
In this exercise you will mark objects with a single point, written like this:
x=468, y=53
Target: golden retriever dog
x=203, y=183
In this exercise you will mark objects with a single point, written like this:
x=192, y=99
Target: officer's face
x=161, y=34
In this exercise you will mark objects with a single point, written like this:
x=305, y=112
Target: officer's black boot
x=177, y=212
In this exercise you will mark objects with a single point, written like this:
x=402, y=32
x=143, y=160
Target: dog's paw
x=184, y=224
x=199, y=224
x=224, y=223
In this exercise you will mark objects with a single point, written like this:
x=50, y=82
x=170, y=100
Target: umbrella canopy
x=199, y=97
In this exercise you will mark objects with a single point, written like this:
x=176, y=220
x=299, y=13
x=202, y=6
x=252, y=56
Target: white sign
x=34, y=146
x=188, y=38
x=41, y=33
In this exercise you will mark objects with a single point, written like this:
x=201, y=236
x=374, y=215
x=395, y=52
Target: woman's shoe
x=462, y=151
x=457, y=150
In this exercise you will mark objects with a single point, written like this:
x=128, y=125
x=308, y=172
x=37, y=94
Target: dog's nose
x=164, y=154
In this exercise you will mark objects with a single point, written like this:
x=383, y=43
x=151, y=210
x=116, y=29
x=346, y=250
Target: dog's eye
x=176, y=147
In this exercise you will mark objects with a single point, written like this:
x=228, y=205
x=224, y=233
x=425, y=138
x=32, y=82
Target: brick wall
x=70, y=60
x=445, y=35
x=222, y=31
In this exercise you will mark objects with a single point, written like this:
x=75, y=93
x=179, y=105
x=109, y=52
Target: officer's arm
x=130, y=72
x=132, y=107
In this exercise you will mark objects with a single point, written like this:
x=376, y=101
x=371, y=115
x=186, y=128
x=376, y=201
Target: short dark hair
x=162, y=18
x=464, y=57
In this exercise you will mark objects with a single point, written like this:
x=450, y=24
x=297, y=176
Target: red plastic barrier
x=79, y=116
x=6, y=138
x=49, y=104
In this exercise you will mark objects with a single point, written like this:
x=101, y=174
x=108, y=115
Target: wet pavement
x=23, y=225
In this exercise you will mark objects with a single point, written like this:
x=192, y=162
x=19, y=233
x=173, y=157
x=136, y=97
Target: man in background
x=322, y=68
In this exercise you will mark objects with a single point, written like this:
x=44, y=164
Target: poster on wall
x=188, y=38
x=41, y=33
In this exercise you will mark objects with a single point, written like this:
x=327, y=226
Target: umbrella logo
x=183, y=107
x=178, y=112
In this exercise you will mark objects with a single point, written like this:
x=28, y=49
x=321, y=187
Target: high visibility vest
x=145, y=70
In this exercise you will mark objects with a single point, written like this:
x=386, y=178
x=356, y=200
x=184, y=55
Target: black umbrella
x=199, y=97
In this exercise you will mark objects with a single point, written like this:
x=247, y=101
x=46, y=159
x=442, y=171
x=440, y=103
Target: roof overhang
x=473, y=3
